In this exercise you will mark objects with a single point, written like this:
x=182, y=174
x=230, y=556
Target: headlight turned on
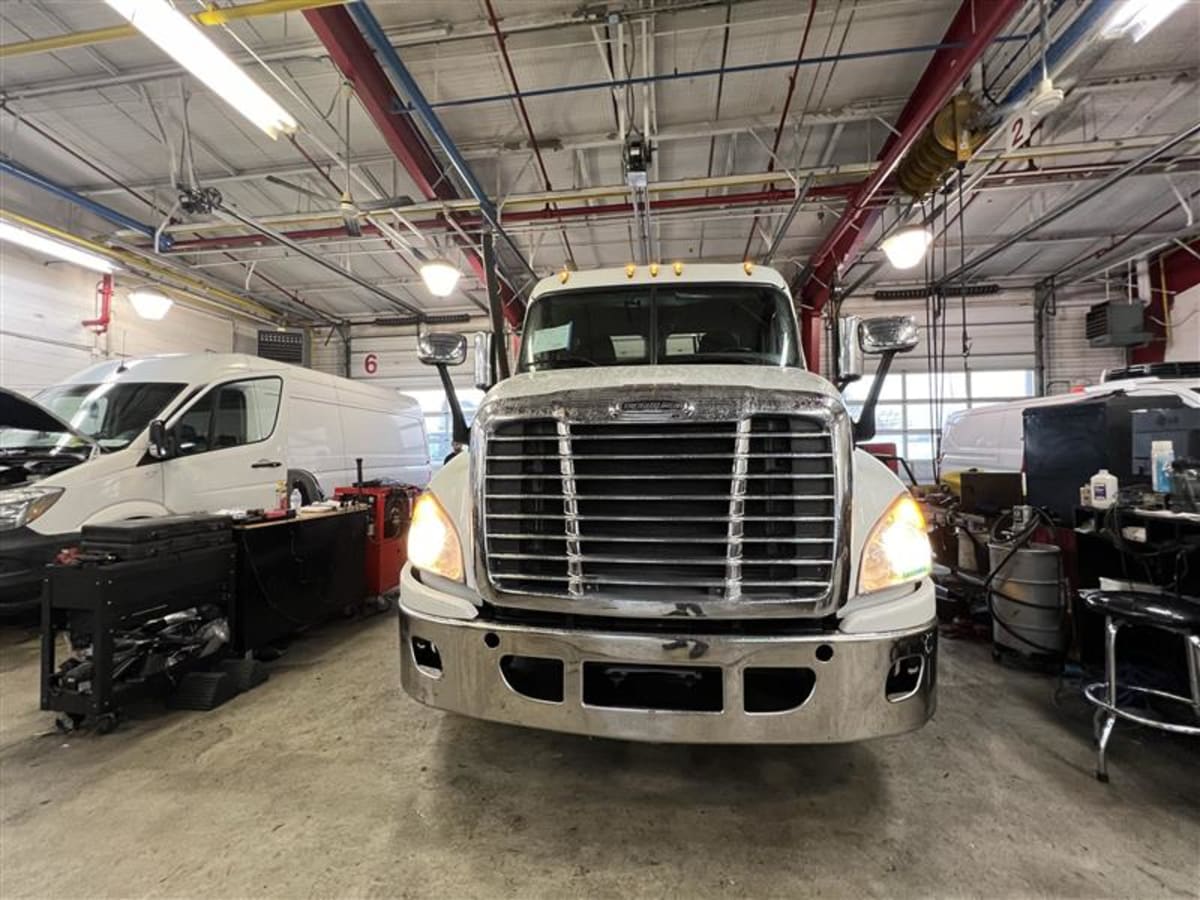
x=433, y=543
x=20, y=506
x=897, y=550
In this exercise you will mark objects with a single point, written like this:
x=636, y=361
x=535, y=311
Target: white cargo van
x=992, y=438
x=173, y=434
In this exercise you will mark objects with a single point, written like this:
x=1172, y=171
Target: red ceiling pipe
x=356, y=61
x=974, y=27
x=775, y=195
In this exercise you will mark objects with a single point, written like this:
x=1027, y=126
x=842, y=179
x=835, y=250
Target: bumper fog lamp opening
x=904, y=678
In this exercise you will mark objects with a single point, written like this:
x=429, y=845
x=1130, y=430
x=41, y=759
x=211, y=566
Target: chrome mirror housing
x=483, y=360
x=888, y=334
x=440, y=348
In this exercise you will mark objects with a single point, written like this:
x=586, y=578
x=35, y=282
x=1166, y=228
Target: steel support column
x=972, y=30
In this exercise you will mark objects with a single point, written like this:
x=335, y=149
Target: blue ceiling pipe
x=15, y=169
x=1072, y=35
x=390, y=60
x=635, y=80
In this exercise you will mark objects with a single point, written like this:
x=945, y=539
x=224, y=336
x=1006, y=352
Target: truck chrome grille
x=684, y=511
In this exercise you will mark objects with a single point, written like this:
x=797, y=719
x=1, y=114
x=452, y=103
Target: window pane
x=191, y=433
x=1003, y=384
x=919, y=446
x=264, y=394
x=948, y=385
x=921, y=414
x=889, y=417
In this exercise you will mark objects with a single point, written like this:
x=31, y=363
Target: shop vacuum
x=391, y=507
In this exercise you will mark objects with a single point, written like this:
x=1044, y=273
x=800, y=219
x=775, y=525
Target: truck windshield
x=646, y=325
x=113, y=413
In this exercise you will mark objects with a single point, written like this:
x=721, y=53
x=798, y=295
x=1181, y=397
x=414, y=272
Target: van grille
x=683, y=511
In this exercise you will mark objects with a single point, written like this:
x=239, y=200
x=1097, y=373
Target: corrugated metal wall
x=999, y=331
x=1000, y=334
x=388, y=356
x=1070, y=361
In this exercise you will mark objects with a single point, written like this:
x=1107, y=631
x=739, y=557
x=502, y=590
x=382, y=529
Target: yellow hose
x=140, y=263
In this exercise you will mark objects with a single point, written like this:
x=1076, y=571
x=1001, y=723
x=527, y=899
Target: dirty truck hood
x=643, y=380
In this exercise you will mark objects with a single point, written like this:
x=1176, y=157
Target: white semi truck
x=662, y=529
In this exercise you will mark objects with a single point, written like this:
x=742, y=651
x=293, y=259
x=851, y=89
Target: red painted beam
x=355, y=59
x=974, y=27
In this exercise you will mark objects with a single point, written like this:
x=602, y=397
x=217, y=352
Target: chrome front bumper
x=847, y=701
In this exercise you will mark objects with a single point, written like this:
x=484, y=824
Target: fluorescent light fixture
x=58, y=249
x=150, y=305
x=440, y=277
x=180, y=38
x=906, y=247
x=1137, y=18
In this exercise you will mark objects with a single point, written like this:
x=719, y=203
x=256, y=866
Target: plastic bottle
x=295, y=500
x=1104, y=489
x=1162, y=455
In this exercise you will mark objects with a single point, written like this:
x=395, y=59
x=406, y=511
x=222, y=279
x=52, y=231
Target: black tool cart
x=141, y=605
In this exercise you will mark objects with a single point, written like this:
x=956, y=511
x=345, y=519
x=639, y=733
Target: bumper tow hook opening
x=776, y=689
x=535, y=677
x=426, y=655
x=491, y=640
x=904, y=677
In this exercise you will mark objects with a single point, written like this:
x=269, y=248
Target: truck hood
x=27, y=415
x=647, y=378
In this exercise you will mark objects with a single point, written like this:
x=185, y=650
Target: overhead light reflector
x=1137, y=18
x=906, y=247
x=150, y=305
x=180, y=38
x=58, y=249
x=440, y=277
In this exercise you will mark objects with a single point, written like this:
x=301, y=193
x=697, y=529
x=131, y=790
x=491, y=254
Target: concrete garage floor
x=326, y=781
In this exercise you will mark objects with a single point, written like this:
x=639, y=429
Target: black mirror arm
x=864, y=428
x=458, y=423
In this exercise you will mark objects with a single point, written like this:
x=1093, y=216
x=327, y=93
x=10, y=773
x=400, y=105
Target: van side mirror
x=160, y=446
x=440, y=348
x=485, y=373
x=882, y=336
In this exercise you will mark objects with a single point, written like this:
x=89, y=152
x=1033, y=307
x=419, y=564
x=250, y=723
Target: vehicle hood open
x=20, y=412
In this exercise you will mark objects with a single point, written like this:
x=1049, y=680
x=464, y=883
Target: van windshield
x=113, y=414
x=690, y=324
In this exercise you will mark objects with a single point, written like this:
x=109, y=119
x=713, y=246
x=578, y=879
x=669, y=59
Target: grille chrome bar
x=735, y=509
x=570, y=510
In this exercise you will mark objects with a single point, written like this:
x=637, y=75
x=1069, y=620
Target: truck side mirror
x=160, y=446
x=442, y=350
x=485, y=373
x=882, y=336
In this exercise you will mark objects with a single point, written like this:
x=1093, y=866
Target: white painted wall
x=1184, y=342
x=42, y=341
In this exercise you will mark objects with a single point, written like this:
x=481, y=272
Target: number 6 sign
x=371, y=363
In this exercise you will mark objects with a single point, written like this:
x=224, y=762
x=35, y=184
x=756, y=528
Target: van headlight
x=433, y=543
x=897, y=550
x=20, y=506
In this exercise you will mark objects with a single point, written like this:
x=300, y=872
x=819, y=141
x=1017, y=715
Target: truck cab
x=662, y=529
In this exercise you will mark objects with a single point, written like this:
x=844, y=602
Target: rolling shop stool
x=1178, y=614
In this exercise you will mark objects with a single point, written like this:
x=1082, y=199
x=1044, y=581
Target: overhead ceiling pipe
x=15, y=169
x=974, y=28
x=211, y=17
x=353, y=56
x=386, y=53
